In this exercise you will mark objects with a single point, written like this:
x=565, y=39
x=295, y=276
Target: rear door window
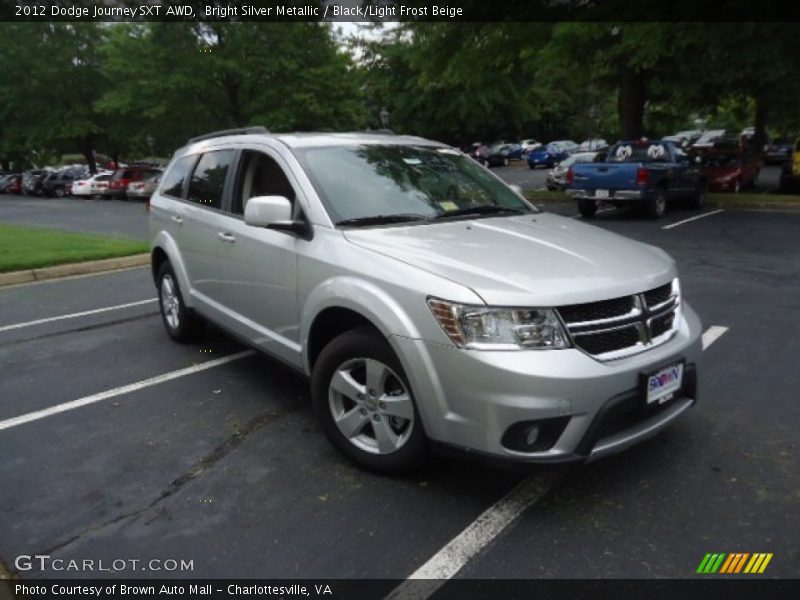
x=207, y=184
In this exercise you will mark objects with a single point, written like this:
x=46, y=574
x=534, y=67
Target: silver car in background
x=429, y=303
x=142, y=190
x=557, y=176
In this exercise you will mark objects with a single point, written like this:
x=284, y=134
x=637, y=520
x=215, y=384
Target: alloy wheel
x=371, y=406
x=170, y=303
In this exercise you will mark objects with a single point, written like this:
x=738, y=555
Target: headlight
x=487, y=328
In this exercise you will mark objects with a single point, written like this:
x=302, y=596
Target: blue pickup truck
x=649, y=173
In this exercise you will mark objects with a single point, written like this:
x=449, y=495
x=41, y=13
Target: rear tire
x=364, y=403
x=180, y=321
x=587, y=208
x=656, y=207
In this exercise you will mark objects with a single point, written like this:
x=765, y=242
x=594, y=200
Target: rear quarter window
x=174, y=179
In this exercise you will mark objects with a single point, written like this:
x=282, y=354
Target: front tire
x=181, y=323
x=587, y=208
x=364, y=403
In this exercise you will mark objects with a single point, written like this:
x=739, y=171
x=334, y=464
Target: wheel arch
x=340, y=304
x=164, y=249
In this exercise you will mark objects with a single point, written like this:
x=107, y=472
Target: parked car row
x=134, y=181
x=502, y=152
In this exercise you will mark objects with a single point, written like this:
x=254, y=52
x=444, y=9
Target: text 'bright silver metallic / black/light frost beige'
x=430, y=304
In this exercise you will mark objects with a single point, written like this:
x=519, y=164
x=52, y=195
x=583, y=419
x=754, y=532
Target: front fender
x=166, y=242
x=360, y=296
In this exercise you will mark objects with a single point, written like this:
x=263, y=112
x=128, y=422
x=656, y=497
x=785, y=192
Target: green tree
x=188, y=78
x=50, y=81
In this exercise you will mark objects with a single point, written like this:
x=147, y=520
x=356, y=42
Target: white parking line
x=712, y=334
x=690, y=219
x=492, y=522
x=75, y=315
x=119, y=391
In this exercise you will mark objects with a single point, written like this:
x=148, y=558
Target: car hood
x=530, y=260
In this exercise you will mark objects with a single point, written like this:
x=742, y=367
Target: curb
x=72, y=269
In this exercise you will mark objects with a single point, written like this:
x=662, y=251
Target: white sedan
x=92, y=186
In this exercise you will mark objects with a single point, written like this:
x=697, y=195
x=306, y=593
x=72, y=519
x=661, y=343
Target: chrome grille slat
x=626, y=325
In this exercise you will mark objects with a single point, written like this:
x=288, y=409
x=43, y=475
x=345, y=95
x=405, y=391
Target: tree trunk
x=85, y=146
x=631, y=97
x=760, y=137
x=234, y=102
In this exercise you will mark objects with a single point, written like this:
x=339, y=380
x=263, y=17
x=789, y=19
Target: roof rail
x=237, y=131
x=380, y=131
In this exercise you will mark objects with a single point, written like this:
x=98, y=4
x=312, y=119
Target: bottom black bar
x=704, y=587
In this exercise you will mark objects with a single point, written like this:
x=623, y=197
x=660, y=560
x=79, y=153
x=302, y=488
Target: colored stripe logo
x=734, y=563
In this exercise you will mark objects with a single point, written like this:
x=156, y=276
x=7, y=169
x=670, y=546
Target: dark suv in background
x=59, y=184
x=32, y=181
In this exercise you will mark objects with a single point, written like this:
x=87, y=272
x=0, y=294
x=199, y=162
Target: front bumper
x=469, y=399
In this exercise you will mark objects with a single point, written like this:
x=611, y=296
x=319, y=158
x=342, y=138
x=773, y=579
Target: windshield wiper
x=382, y=219
x=481, y=210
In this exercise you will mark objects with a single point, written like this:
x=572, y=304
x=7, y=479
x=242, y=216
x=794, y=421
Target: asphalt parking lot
x=119, y=444
x=104, y=217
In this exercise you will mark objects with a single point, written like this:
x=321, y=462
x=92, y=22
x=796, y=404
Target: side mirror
x=267, y=211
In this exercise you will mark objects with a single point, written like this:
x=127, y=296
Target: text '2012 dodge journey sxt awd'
x=430, y=304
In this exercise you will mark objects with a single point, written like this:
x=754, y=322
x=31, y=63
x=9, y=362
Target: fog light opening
x=531, y=435
x=534, y=436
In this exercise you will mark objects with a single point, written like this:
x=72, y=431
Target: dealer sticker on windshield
x=662, y=385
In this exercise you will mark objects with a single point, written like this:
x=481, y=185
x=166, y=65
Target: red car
x=11, y=184
x=730, y=170
x=122, y=178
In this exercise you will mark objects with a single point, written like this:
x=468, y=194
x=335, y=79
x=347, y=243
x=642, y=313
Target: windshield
x=413, y=182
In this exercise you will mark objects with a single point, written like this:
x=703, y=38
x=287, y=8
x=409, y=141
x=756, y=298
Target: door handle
x=177, y=219
x=226, y=237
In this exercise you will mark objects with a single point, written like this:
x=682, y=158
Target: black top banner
x=386, y=11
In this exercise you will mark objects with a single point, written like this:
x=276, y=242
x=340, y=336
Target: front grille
x=620, y=326
x=610, y=341
x=595, y=311
x=658, y=295
x=661, y=325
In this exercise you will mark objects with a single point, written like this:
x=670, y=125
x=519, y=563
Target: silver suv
x=430, y=304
